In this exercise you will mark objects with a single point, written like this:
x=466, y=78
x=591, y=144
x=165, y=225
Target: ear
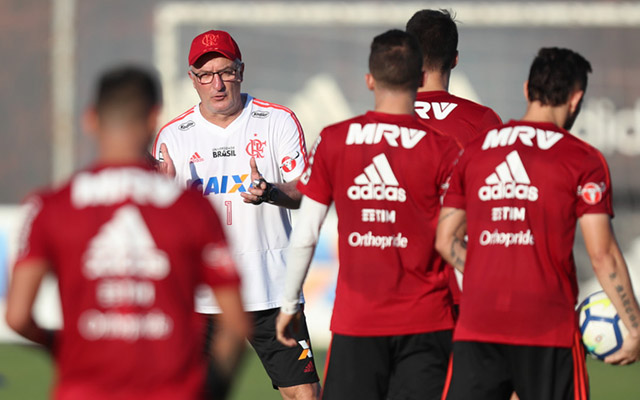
x=152, y=120
x=193, y=78
x=90, y=122
x=525, y=90
x=455, y=60
x=241, y=72
x=370, y=81
x=574, y=100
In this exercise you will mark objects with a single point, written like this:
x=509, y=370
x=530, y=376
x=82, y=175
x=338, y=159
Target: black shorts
x=493, y=371
x=286, y=366
x=387, y=367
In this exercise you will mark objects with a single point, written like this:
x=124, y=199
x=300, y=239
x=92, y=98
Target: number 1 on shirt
x=228, y=205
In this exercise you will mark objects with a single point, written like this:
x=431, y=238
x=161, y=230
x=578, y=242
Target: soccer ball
x=601, y=327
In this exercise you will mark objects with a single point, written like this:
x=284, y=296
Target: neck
x=557, y=115
x=435, y=81
x=394, y=101
x=121, y=149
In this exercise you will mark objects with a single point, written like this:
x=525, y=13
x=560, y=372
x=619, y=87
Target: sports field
x=25, y=374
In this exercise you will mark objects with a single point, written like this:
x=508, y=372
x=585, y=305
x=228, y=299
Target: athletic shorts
x=286, y=366
x=493, y=371
x=387, y=367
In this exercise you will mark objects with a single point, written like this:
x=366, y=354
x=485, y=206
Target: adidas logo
x=509, y=181
x=196, y=158
x=309, y=367
x=377, y=182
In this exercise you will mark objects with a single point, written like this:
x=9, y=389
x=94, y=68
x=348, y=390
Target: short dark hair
x=130, y=90
x=437, y=34
x=396, y=61
x=555, y=73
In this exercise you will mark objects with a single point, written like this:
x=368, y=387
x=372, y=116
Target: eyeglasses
x=226, y=75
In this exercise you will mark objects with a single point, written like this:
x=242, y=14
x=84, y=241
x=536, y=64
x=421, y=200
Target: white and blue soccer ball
x=602, y=330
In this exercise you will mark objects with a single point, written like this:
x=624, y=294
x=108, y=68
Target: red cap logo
x=591, y=193
x=209, y=40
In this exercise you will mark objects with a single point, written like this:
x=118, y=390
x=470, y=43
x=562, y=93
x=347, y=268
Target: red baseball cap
x=214, y=42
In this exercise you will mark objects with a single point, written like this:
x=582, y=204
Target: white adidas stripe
x=509, y=171
x=377, y=173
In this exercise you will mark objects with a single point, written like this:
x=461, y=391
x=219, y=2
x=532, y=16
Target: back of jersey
x=129, y=255
x=523, y=187
x=384, y=173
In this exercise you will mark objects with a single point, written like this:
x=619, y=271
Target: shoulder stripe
x=178, y=118
x=301, y=142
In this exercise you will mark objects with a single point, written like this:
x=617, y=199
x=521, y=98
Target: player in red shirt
x=521, y=188
x=392, y=317
x=129, y=248
x=460, y=118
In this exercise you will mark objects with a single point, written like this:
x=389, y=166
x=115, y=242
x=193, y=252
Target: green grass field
x=25, y=374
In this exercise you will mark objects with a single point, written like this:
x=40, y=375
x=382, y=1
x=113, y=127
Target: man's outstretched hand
x=166, y=166
x=258, y=188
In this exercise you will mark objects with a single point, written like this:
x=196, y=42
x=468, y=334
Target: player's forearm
x=286, y=195
x=612, y=273
x=450, y=241
x=303, y=241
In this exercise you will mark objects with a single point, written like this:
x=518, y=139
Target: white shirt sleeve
x=303, y=242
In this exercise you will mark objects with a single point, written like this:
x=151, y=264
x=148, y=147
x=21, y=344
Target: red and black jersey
x=129, y=248
x=523, y=186
x=385, y=174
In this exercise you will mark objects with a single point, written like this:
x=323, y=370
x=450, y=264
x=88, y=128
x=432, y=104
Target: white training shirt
x=215, y=160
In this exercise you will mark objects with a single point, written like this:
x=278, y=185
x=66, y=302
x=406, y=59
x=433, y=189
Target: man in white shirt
x=241, y=152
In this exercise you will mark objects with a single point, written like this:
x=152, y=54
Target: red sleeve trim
x=303, y=149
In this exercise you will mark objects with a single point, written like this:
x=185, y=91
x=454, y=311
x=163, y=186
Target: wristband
x=269, y=193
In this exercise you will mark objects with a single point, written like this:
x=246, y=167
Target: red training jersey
x=523, y=186
x=459, y=118
x=384, y=172
x=129, y=248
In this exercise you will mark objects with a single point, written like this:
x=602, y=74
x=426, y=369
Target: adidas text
x=377, y=192
x=510, y=190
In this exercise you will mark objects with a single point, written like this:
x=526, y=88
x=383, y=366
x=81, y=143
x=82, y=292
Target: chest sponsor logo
x=377, y=182
x=289, y=163
x=438, y=109
x=591, y=193
x=374, y=132
x=260, y=114
x=186, y=125
x=124, y=261
x=508, y=214
x=506, y=239
x=220, y=184
x=509, y=181
x=377, y=215
x=227, y=151
x=255, y=147
x=368, y=239
x=528, y=135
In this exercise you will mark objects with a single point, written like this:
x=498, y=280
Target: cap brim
x=223, y=53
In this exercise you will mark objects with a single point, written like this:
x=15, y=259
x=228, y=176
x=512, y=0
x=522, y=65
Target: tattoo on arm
x=457, y=259
x=626, y=303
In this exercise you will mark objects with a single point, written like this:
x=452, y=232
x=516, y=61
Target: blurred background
x=310, y=56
